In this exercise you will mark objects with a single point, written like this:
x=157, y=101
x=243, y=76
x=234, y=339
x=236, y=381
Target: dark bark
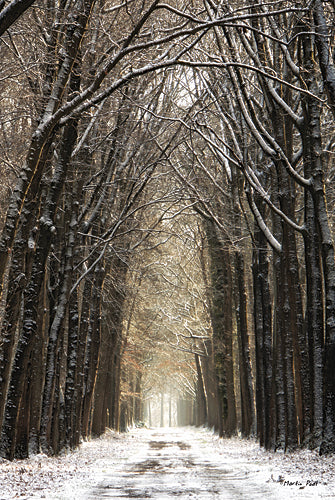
x=315, y=168
x=15, y=382
x=279, y=404
x=290, y=332
x=106, y=391
x=214, y=413
x=247, y=403
x=12, y=12
x=17, y=299
x=230, y=418
x=83, y=343
x=106, y=394
x=263, y=335
x=116, y=395
x=288, y=327
x=314, y=322
x=221, y=318
x=325, y=55
x=38, y=362
x=23, y=420
x=327, y=252
x=71, y=395
x=17, y=282
x=56, y=334
x=211, y=382
x=93, y=351
x=314, y=306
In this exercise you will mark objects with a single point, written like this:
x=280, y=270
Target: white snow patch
x=66, y=476
x=302, y=474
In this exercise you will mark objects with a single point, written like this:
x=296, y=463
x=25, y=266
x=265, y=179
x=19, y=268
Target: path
x=186, y=464
x=163, y=464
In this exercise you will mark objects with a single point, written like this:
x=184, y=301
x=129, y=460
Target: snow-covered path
x=180, y=464
x=188, y=463
x=183, y=463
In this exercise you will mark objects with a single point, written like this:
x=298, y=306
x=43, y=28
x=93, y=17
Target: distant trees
x=124, y=128
x=168, y=325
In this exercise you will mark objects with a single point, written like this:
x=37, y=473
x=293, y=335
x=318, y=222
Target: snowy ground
x=169, y=463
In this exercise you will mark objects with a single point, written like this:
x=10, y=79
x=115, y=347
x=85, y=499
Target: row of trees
x=118, y=120
x=76, y=200
x=277, y=144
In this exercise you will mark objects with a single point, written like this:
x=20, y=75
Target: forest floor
x=169, y=463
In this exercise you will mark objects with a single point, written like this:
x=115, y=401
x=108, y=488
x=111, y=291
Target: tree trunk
x=93, y=352
x=221, y=319
x=263, y=334
x=211, y=383
x=314, y=163
x=201, y=410
x=247, y=403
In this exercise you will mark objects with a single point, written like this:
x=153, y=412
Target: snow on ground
x=303, y=474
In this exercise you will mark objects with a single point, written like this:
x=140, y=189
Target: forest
x=167, y=225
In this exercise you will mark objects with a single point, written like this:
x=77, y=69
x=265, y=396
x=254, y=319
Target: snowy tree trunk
x=93, y=352
x=263, y=335
x=38, y=364
x=57, y=332
x=314, y=163
x=12, y=12
x=324, y=54
x=212, y=389
x=106, y=390
x=17, y=283
x=71, y=386
x=221, y=318
x=314, y=309
x=247, y=403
